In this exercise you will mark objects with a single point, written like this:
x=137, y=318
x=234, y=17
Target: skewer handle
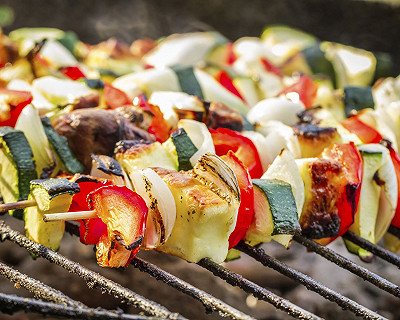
x=17, y=205
x=64, y=216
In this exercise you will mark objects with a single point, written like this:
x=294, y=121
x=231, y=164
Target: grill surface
x=61, y=305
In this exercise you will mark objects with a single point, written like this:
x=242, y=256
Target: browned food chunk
x=92, y=100
x=314, y=139
x=136, y=115
x=96, y=131
x=220, y=116
x=325, y=181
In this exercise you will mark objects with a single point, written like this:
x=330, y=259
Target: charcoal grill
x=50, y=301
x=376, y=29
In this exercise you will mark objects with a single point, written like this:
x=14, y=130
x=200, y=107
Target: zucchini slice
x=188, y=81
x=51, y=195
x=378, y=198
x=17, y=167
x=356, y=99
x=66, y=161
x=185, y=148
x=275, y=210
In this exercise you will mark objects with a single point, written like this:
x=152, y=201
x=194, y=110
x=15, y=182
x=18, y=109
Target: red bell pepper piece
x=114, y=97
x=246, y=208
x=125, y=214
x=230, y=54
x=158, y=126
x=90, y=230
x=306, y=90
x=226, y=139
x=270, y=67
x=349, y=157
x=223, y=78
x=15, y=101
x=74, y=73
x=366, y=133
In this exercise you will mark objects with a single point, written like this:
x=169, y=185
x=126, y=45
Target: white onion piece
x=285, y=168
x=29, y=123
x=183, y=49
x=59, y=56
x=279, y=136
x=279, y=109
x=383, y=123
x=160, y=201
x=200, y=136
x=212, y=171
x=261, y=145
x=169, y=101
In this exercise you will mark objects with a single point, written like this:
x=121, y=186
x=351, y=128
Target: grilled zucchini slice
x=51, y=196
x=275, y=210
x=17, y=167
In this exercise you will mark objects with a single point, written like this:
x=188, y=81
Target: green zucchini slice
x=17, y=167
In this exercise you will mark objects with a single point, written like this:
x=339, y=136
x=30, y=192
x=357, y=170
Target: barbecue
x=50, y=301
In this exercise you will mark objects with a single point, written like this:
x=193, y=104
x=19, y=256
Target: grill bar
x=349, y=265
x=376, y=250
x=93, y=279
x=235, y=279
x=308, y=282
x=210, y=303
x=40, y=290
x=12, y=303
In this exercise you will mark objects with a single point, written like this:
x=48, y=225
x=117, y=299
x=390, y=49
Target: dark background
x=370, y=25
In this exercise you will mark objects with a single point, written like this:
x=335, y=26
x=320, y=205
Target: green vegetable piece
x=17, y=167
x=65, y=159
x=188, y=81
x=94, y=83
x=185, y=148
x=51, y=196
x=317, y=61
x=356, y=99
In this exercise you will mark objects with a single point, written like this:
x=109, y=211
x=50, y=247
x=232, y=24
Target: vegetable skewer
x=296, y=95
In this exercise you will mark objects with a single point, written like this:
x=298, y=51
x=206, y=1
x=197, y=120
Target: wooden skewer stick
x=17, y=205
x=64, y=216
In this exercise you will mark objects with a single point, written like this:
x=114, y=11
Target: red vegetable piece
x=90, y=230
x=16, y=101
x=246, y=208
x=223, y=78
x=74, y=73
x=270, y=67
x=366, y=133
x=226, y=139
x=230, y=54
x=125, y=213
x=349, y=157
x=159, y=127
x=114, y=97
x=305, y=88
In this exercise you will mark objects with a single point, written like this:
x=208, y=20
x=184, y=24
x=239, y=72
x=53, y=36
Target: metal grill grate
x=50, y=301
